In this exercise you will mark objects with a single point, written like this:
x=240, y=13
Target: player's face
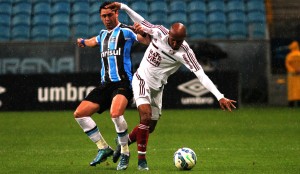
x=109, y=18
x=175, y=42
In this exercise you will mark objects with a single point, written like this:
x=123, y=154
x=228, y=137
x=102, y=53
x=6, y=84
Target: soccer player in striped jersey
x=115, y=89
x=166, y=53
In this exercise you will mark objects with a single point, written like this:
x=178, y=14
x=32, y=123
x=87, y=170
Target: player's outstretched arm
x=227, y=104
x=87, y=42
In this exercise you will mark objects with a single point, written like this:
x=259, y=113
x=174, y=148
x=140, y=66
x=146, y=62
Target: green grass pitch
x=248, y=140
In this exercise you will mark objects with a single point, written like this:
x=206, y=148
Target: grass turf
x=249, y=140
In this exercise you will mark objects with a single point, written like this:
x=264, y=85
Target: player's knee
x=145, y=118
x=115, y=114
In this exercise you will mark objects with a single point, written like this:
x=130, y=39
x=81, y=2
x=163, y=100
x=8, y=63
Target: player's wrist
x=83, y=42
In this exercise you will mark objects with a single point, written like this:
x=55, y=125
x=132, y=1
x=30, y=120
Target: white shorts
x=143, y=94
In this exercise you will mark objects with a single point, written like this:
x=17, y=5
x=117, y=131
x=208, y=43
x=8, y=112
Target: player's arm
x=92, y=42
x=142, y=36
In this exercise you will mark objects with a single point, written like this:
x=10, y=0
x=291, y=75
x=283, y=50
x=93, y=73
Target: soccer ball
x=185, y=158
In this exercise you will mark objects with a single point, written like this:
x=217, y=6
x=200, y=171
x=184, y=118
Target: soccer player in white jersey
x=166, y=53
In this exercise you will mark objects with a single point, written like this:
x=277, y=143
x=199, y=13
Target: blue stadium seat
x=197, y=31
x=61, y=8
x=41, y=19
x=177, y=6
x=5, y=20
x=60, y=33
x=95, y=29
x=139, y=6
x=20, y=33
x=80, y=7
x=217, y=31
x=158, y=19
x=80, y=31
x=257, y=30
x=256, y=16
x=95, y=19
x=196, y=5
x=40, y=33
x=215, y=5
x=158, y=6
x=60, y=19
x=236, y=16
x=6, y=8
x=42, y=8
x=22, y=8
x=5, y=33
x=216, y=17
x=255, y=5
x=235, y=5
x=123, y=18
x=237, y=30
x=21, y=20
x=80, y=18
x=197, y=17
x=178, y=17
x=94, y=8
x=39, y=1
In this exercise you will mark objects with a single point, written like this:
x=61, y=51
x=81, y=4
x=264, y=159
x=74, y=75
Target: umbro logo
x=193, y=87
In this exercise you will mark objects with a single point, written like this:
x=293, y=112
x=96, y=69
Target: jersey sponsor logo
x=111, y=53
x=197, y=90
x=154, y=58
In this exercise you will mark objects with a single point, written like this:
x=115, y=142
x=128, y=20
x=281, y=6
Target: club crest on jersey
x=111, y=53
x=112, y=39
x=171, y=52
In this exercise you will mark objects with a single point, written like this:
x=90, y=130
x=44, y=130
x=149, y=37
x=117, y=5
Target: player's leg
x=119, y=104
x=83, y=117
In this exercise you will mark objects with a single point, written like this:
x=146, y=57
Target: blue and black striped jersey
x=115, y=49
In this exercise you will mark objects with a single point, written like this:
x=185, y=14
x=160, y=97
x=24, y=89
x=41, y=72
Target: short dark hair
x=102, y=6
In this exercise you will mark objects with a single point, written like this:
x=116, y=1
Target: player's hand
x=79, y=44
x=138, y=28
x=227, y=104
x=114, y=6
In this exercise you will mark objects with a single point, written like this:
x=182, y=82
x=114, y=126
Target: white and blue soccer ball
x=185, y=158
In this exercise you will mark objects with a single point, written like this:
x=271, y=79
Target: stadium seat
x=95, y=29
x=237, y=30
x=197, y=5
x=5, y=33
x=94, y=8
x=178, y=17
x=42, y=8
x=217, y=31
x=197, y=30
x=216, y=17
x=20, y=33
x=255, y=5
x=79, y=7
x=177, y=6
x=95, y=19
x=158, y=19
x=215, y=5
x=80, y=31
x=139, y=6
x=256, y=16
x=257, y=30
x=80, y=18
x=60, y=33
x=5, y=20
x=61, y=8
x=236, y=16
x=123, y=18
x=235, y=6
x=40, y=33
x=60, y=19
x=158, y=7
x=197, y=17
x=22, y=8
x=21, y=20
x=39, y=1
x=41, y=19
x=6, y=8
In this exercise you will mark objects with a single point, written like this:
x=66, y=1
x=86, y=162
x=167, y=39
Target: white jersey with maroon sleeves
x=160, y=60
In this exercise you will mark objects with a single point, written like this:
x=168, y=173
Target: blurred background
x=241, y=45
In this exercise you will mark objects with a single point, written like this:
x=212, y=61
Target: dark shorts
x=104, y=94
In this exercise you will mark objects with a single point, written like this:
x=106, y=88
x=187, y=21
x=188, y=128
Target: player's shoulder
x=126, y=27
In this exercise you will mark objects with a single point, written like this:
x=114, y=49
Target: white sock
x=90, y=128
x=121, y=128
